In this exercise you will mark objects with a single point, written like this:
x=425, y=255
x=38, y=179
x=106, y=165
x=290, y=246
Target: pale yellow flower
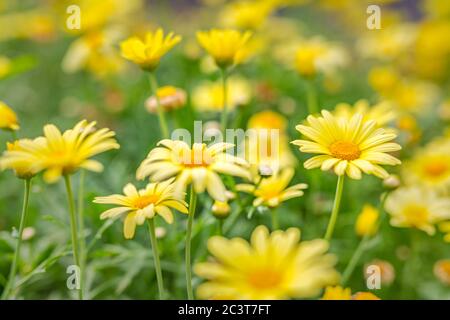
x=415, y=207
x=445, y=228
x=383, y=112
x=148, y=52
x=267, y=119
x=139, y=205
x=274, y=190
x=8, y=118
x=24, y=167
x=271, y=266
x=208, y=96
x=199, y=165
x=367, y=221
x=246, y=14
x=61, y=154
x=226, y=46
x=170, y=98
x=348, y=146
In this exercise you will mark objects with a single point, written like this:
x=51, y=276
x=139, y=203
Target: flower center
x=416, y=215
x=266, y=278
x=345, y=150
x=436, y=168
x=144, y=201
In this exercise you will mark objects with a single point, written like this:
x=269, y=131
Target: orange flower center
x=144, y=201
x=436, y=168
x=266, y=278
x=345, y=150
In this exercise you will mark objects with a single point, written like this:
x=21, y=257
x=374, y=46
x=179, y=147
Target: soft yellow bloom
x=429, y=167
x=199, y=165
x=226, y=46
x=8, y=118
x=61, y=154
x=267, y=119
x=271, y=266
x=340, y=293
x=442, y=271
x=383, y=112
x=415, y=207
x=445, y=228
x=208, y=96
x=367, y=221
x=274, y=190
x=148, y=52
x=246, y=14
x=317, y=56
x=170, y=98
x=155, y=199
x=348, y=146
x=23, y=167
x=383, y=79
x=220, y=209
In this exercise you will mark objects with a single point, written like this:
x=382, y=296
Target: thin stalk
x=224, y=116
x=219, y=227
x=192, y=205
x=81, y=234
x=161, y=116
x=311, y=97
x=23, y=218
x=14, y=135
x=275, y=224
x=159, y=277
x=73, y=232
x=336, y=205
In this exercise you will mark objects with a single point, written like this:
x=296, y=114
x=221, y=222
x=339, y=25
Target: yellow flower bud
x=366, y=224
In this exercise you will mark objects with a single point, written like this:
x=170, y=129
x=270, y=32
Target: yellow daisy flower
x=271, y=266
x=419, y=208
x=24, y=167
x=367, y=221
x=8, y=118
x=226, y=46
x=274, y=190
x=267, y=119
x=61, y=154
x=155, y=199
x=383, y=112
x=348, y=146
x=199, y=165
x=148, y=52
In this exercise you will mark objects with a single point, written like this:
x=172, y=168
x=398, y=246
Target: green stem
x=14, y=135
x=335, y=211
x=219, y=227
x=73, y=232
x=82, y=235
x=274, y=213
x=23, y=218
x=159, y=277
x=192, y=205
x=224, y=116
x=311, y=97
x=162, y=118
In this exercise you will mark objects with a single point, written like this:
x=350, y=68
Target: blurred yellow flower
x=267, y=119
x=170, y=98
x=383, y=113
x=8, y=118
x=317, y=56
x=340, y=293
x=199, y=165
x=271, y=266
x=445, y=228
x=442, y=271
x=226, y=46
x=272, y=191
x=148, y=52
x=5, y=66
x=383, y=79
x=414, y=207
x=61, y=154
x=367, y=221
x=349, y=146
x=155, y=199
x=208, y=96
x=24, y=167
x=246, y=14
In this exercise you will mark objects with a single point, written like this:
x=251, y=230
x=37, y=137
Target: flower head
x=8, y=118
x=170, y=98
x=60, y=154
x=271, y=266
x=148, y=52
x=367, y=221
x=383, y=112
x=274, y=190
x=24, y=166
x=138, y=205
x=199, y=165
x=227, y=46
x=349, y=146
x=414, y=207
